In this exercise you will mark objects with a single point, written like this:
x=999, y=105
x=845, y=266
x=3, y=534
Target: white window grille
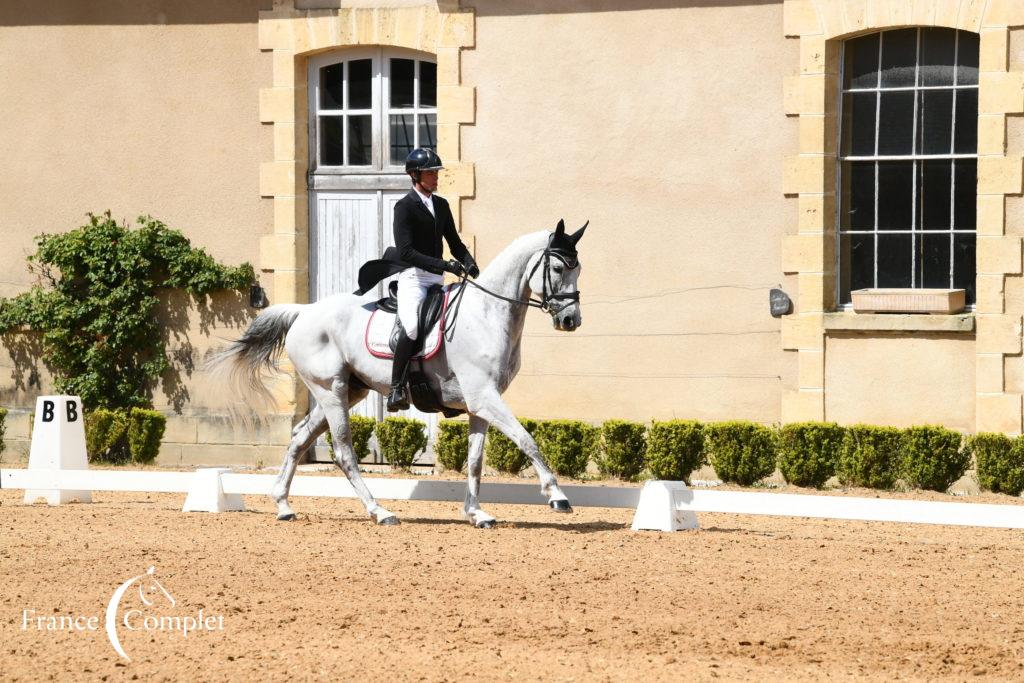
x=907, y=180
x=370, y=108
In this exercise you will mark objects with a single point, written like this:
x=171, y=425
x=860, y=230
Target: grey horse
x=325, y=343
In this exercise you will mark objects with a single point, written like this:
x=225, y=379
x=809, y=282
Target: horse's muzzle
x=568, y=320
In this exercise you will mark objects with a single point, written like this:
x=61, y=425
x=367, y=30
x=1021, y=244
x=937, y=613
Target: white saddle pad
x=378, y=334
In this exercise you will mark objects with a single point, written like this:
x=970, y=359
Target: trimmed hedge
x=503, y=455
x=740, y=451
x=400, y=439
x=675, y=449
x=870, y=456
x=933, y=457
x=1000, y=462
x=566, y=445
x=452, y=445
x=3, y=429
x=808, y=451
x=622, y=450
x=144, y=432
x=104, y=435
x=361, y=428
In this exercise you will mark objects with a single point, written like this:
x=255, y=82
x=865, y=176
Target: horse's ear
x=575, y=237
x=560, y=230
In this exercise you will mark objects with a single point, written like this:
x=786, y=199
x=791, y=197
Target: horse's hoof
x=390, y=521
x=486, y=524
x=560, y=505
x=289, y=517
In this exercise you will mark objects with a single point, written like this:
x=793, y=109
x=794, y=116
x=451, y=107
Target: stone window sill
x=899, y=322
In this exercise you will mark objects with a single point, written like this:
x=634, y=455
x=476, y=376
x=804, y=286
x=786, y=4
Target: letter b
x=48, y=411
x=72, y=411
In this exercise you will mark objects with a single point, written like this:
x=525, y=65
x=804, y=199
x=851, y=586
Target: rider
x=421, y=218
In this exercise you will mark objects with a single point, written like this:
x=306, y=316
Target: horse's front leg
x=494, y=410
x=471, y=510
x=303, y=437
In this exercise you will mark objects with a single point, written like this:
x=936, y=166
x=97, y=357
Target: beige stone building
x=719, y=149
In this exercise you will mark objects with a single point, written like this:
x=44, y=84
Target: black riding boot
x=398, y=399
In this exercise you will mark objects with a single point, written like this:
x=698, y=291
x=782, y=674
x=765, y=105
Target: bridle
x=550, y=301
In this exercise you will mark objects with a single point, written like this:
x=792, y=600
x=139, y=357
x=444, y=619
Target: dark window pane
x=402, y=71
x=937, y=53
x=858, y=211
x=896, y=123
x=360, y=84
x=401, y=137
x=360, y=138
x=964, y=264
x=858, y=263
x=933, y=193
x=428, y=130
x=894, y=260
x=967, y=59
x=332, y=80
x=899, y=54
x=428, y=84
x=965, y=194
x=859, y=124
x=933, y=261
x=966, y=135
x=862, y=62
x=935, y=122
x=331, y=141
x=895, y=195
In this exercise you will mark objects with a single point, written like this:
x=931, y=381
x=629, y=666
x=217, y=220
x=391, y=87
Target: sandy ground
x=541, y=597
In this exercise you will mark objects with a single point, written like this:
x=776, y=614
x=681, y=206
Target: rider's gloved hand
x=454, y=267
x=473, y=271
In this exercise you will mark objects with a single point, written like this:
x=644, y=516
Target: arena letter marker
x=58, y=443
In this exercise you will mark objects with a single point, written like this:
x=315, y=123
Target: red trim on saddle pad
x=440, y=332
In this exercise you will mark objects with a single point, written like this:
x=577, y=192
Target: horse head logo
x=150, y=590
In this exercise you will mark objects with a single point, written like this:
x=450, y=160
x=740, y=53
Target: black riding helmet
x=422, y=159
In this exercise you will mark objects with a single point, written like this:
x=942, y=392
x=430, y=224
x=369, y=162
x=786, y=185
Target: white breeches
x=413, y=284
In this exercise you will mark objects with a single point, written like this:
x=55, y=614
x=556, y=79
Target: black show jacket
x=418, y=234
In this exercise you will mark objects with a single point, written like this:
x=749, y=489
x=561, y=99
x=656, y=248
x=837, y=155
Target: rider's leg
x=410, y=294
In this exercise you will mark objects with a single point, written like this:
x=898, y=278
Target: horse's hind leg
x=303, y=437
x=334, y=402
x=471, y=510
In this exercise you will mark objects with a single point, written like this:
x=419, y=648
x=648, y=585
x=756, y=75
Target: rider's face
x=428, y=181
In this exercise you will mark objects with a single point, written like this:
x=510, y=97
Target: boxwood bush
x=808, y=451
x=144, y=432
x=400, y=439
x=869, y=456
x=3, y=429
x=933, y=457
x=452, y=445
x=567, y=445
x=675, y=449
x=503, y=455
x=622, y=449
x=361, y=428
x=740, y=451
x=1000, y=462
x=105, y=430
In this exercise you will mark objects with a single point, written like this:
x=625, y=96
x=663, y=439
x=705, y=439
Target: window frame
x=914, y=158
x=380, y=109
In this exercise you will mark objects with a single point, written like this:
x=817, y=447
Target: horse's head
x=554, y=275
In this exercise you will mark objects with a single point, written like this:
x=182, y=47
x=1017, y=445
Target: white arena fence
x=58, y=472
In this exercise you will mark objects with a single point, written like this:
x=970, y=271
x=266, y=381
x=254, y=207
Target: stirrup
x=398, y=399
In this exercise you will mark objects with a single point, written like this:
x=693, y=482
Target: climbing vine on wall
x=96, y=304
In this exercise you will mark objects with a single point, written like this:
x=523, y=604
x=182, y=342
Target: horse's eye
x=557, y=270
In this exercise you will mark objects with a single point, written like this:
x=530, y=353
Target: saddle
x=382, y=335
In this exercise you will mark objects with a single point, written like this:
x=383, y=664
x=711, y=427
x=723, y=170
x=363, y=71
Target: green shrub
x=3, y=429
x=869, y=456
x=1000, y=462
x=400, y=439
x=675, y=449
x=740, y=451
x=362, y=429
x=145, y=430
x=566, y=445
x=933, y=457
x=452, y=445
x=808, y=451
x=105, y=432
x=502, y=454
x=622, y=448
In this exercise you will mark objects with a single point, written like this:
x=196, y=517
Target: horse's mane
x=519, y=250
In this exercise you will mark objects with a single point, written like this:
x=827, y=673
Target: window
x=908, y=161
x=370, y=109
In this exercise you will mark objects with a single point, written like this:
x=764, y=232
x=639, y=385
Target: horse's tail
x=247, y=360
